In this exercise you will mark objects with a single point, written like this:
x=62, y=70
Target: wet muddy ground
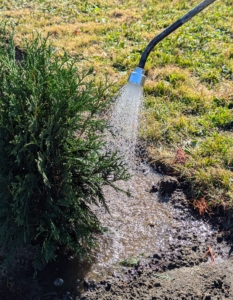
x=183, y=268
x=167, y=239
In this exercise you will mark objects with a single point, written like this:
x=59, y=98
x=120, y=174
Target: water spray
x=138, y=75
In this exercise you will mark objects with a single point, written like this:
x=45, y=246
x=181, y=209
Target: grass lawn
x=188, y=115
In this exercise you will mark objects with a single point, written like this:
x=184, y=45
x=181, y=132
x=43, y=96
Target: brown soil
x=206, y=282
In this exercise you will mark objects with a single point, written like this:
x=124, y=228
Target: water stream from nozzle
x=124, y=121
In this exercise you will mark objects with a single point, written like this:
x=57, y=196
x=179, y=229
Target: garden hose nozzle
x=137, y=77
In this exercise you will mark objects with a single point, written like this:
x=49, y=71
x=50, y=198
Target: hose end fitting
x=137, y=77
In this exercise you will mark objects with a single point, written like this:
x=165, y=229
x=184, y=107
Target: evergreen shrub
x=53, y=162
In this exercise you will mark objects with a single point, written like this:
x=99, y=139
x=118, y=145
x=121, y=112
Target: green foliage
x=52, y=155
x=130, y=262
